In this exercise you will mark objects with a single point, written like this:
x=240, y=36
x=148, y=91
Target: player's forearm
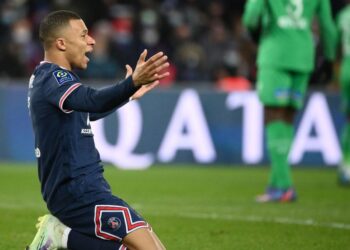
x=329, y=41
x=90, y=100
x=97, y=116
x=328, y=30
x=252, y=13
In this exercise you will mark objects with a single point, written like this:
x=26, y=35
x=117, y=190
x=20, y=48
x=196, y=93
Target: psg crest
x=114, y=223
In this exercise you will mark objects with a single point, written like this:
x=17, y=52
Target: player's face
x=78, y=44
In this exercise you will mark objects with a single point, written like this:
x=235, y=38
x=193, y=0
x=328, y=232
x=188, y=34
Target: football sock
x=345, y=144
x=65, y=235
x=279, y=139
x=78, y=241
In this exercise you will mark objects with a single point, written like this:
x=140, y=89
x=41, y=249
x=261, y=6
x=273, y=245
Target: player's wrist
x=135, y=81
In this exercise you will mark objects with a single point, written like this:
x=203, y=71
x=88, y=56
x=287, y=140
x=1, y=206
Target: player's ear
x=60, y=44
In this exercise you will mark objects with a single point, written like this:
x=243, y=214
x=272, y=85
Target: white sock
x=65, y=237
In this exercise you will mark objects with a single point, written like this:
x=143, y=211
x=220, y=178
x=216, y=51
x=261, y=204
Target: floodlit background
x=198, y=138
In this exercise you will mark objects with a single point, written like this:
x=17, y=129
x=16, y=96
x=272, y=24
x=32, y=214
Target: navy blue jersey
x=60, y=109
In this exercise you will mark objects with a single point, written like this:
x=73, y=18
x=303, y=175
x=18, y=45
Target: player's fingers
x=148, y=87
x=161, y=61
x=151, y=85
x=128, y=70
x=159, y=68
x=142, y=57
x=156, y=76
x=155, y=83
x=165, y=74
x=154, y=59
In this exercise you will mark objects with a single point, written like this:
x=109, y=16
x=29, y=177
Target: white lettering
x=253, y=127
x=188, y=130
x=317, y=118
x=294, y=18
x=130, y=127
x=86, y=131
x=286, y=22
x=37, y=153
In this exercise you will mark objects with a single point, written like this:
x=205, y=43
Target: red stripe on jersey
x=130, y=225
x=122, y=247
x=65, y=95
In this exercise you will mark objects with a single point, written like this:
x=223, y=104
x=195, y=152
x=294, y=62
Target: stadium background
x=197, y=131
x=212, y=60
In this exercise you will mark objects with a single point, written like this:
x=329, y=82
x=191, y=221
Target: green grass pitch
x=194, y=207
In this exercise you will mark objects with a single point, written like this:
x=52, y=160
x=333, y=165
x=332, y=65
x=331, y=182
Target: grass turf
x=193, y=207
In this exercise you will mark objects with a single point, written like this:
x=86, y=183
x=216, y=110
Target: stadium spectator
x=138, y=24
x=189, y=57
x=228, y=80
x=343, y=21
x=151, y=24
x=285, y=62
x=219, y=46
x=70, y=172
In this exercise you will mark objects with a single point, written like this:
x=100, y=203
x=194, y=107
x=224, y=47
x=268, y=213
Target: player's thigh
x=300, y=82
x=143, y=239
x=273, y=87
x=344, y=80
x=108, y=218
x=115, y=219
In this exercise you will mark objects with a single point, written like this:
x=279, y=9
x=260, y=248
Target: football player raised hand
x=150, y=71
x=144, y=88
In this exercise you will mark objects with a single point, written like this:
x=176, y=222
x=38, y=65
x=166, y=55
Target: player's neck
x=58, y=59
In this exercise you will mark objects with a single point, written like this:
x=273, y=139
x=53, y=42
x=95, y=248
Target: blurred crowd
x=204, y=39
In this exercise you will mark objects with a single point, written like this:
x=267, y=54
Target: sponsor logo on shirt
x=86, y=131
x=62, y=76
x=37, y=153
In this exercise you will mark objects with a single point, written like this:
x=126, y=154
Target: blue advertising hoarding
x=186, y=126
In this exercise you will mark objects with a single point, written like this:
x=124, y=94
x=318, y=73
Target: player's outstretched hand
x=150, y=71
x=144, y=89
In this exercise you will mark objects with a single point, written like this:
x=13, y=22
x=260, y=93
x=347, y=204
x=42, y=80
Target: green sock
x=345, y=145
x=279, y=139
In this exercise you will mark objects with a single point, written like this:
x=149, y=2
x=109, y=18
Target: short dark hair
x=52, y=23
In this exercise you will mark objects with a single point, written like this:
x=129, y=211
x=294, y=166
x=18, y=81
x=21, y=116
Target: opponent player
x=285, y=61
x=71, y=176
x=343, y=21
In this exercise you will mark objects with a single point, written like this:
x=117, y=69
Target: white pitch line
x=252, y=218
x=308, y=222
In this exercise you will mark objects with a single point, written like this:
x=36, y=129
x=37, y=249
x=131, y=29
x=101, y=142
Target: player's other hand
x=144, y=89
x=150, y=71
x=128, y=71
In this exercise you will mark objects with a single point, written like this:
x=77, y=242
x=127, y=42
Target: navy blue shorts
x=91, y=209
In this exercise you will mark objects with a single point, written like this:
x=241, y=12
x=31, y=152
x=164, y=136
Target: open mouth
x=88, y=54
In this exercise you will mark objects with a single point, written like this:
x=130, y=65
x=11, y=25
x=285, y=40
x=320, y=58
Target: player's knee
x=142, y=239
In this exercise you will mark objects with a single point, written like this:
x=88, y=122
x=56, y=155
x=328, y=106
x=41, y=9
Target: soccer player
x=343, y=25
x=285, y=60
x=85, y=214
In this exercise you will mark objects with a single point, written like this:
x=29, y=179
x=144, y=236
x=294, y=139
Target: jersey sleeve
x=253, y=11
x=60, y=84
x=87, y=99
x=328, y=29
